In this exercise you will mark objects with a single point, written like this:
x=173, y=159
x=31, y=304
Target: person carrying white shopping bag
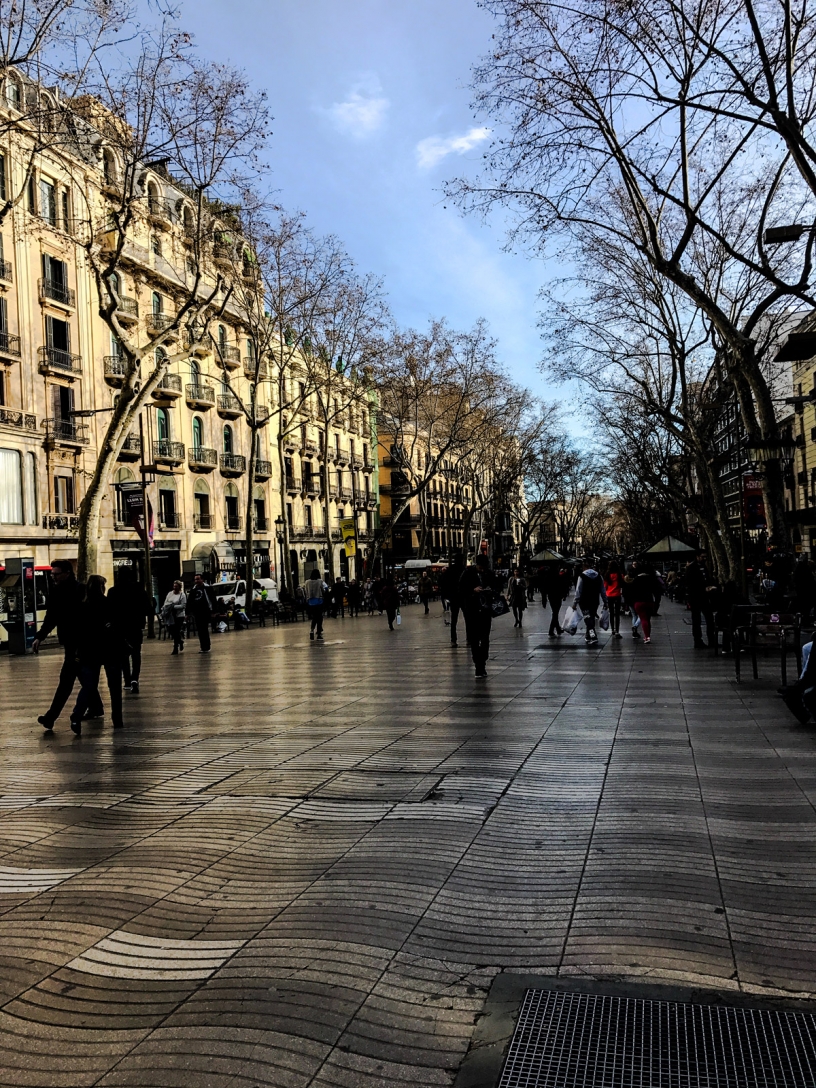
x=588, y=595
x=572, y=619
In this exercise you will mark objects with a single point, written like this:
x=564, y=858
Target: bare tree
x=58, y=45
x=612, y=146
x=436, y=390
x=163, y=107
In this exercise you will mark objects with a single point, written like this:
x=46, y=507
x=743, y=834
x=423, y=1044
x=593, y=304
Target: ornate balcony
x=64, y=432
x=223, y=253
x=64, y=522
x=263, y=470
x=115, y=368
x=346, y=494
x=233, y=464
x=54, y=291
x=60, y=363
x=127, y=310
x=357, y=460
x=196, y=342
x=233, y=523
x=10, y=417
x=160, y=211
x=341, y=456
x=131, y=448
x=228, y=356
x=203, y=523
x=312, y=486
x=166, y=452
x=251, y=366
x=202, y=459
x=169, y=520
x=368, y=465
x=159, y=323
x=310, y=447
x=229, y=407
x=169, y=388
x=293, y=485
x=301, y=532
x=9, y=344
x=200, y=396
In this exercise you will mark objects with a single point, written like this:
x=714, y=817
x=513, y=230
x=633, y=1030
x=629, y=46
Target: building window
x=198, y=433
x=157, y=303
x=155, y=245
x=2, y=177
x=31, y=499
x=13, y=95
x=66, y=211
x=64, y=495
x=48, y=201
x=227, y=438
x=11, y=487
x=32, y=194
x=162, y=424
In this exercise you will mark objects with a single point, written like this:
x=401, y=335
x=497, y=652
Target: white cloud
x=433, y=149
x=362, y=112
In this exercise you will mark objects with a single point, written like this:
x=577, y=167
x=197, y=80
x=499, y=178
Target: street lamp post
x=279, y=527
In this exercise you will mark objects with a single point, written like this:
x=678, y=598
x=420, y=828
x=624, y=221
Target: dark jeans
x=555, y=605
x=614, y=613
x=89, y=692
x=477, y=625
x=68, y=674
x=701, y=609
x=392, y=615
x=315, y=613
x=454, y=618
x=132, y=661
x=202, y=622
x=424, y=600
x=175, y=628
x=518, y=612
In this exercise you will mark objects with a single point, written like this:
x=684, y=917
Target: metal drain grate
x=571, y=1040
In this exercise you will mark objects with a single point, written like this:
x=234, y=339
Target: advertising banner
x=349, y=532
x=753, y=504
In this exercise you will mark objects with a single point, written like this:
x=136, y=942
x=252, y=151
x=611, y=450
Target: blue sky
x=371, y=107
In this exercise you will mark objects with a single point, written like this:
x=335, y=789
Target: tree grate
x=572, y=1040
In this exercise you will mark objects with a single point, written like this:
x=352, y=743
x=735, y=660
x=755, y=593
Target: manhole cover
x=571, y=1040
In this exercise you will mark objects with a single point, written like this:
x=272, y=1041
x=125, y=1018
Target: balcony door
x=62, y=404
x=57, y=334
x=198, y=433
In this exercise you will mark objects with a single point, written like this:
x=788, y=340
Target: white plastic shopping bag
x=399, y=618
x=571, y=620
x=604, y=620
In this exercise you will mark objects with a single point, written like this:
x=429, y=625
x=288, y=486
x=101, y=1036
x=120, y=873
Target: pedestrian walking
x=641, y=591
x=62, y=615
x=449, y=588
x=555, y=585
x=425, y=590
x=700, y=585
x=369, y=599
x=477, y=591
x=517, y=596
x=201, y=603
x=174, y=614
x=613, y=584
x=132, y=606
x=390, y=600
x=354, y=595
x=316, y=591
x=339, y=597
x=98, y=645
x=589, y=592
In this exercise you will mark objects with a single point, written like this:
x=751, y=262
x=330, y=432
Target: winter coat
x=517, y=593
x=63, y=611
x=97, y=633
x=471, y=579
x=175, y=606
x=589, y=591
x=643, y=588
x=613, y=584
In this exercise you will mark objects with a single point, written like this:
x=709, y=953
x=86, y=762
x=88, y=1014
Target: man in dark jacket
x=201, y=603
x=131, y=606
x=477, y=588
x=700, y=587
x=449, y=588
x=62, y=614
x=588, y=595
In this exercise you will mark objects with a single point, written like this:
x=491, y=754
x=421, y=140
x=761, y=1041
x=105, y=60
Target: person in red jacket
x=613, y=584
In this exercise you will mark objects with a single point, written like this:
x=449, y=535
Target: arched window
x=198, y=433
x=227, y=438
x=250, y=349
x=222, y=336
x=157, y=302
x=161, y=356
x=11, y=487
x=162, y=424
x=122, y=476
x=13, y=95
x=195, y=372
x=31, y=490
x=109, y=166
x=189, y=225
x=152, y=197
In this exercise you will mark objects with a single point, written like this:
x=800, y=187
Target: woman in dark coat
x=517, y=596
x=390, y=599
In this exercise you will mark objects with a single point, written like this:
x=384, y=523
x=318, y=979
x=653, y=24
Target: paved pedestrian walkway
x=304, y=864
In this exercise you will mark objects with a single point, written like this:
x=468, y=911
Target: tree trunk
x=249, y=537
x=286, y=572
x=327, y=526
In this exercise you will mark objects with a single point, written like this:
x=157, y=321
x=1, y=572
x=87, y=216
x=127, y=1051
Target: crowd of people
x=103, y=632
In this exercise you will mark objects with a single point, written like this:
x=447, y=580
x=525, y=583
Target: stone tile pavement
x=304, y=864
